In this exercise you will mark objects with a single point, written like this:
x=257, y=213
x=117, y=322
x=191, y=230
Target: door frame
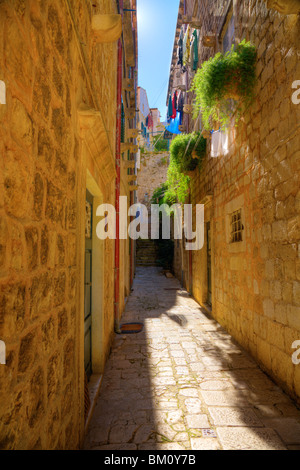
x=98, y=263
x=88, y=316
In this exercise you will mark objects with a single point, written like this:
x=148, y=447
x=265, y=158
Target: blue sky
x=156, y=32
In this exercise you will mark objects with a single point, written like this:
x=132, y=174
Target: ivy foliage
x=160, y=144
x=182, y=148
x=182, y=152
x=177, y=184
x=223, y=77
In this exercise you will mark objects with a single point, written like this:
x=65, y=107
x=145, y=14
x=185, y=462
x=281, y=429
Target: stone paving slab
x=184, y=384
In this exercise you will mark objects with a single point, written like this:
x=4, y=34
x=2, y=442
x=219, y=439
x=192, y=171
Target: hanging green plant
x=177, y=185
x=222, y=78
x=187, y=151
x=186, y=154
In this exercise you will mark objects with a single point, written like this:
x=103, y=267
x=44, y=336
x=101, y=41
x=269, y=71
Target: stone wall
x=152, y=173
x=43, y=171
x=256, y=282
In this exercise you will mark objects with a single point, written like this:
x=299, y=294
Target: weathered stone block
x=264, y=352
x=17, y=182
x=38, y=196
x=48, y=335
x=14, y=48
x=3, y=240
x=68, y=357
x=32, y=243
x=42, y=96
x=287, y=291
x=72, y=284
x=276, y=334
x=41, y=293
x=12, y=307
x=36, y=407
x=281, y=366
x=59, y=289
x=293, y=229
x=54, y=29
x=57, y=79
x=45, y=149
x=60, y=169
x=58, y=123
x=296, y=292
x=268, y=307
x=293, y=317
x=71, y=215
x=279, y=230
x=67, y=402
x=54, y=204
x=27, y=352
x=21, y=125
x=54, y=376
x=62, y=327
x=270, y=269
x=44, y=250
x=60, y=250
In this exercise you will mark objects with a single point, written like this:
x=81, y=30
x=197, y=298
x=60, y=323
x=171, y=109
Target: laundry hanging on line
x=174, y=105
x=173, y=124
x=187, y=51
x=180, y=101
x=187, y=46
x=194, y=50
x=149, y=121
x=180, y=49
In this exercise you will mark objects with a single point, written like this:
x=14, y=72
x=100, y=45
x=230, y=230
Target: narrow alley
x=183, y=383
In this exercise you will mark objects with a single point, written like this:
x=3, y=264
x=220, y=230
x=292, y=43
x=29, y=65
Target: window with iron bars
x=237, y=227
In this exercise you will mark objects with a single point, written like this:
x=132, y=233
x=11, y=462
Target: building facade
x=250, y=283
x=144, y=113
x=67, y=70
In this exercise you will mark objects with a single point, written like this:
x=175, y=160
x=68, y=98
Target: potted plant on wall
x=223, y=78
x=187, y=151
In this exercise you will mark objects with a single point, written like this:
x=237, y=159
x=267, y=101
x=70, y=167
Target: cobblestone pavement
x=183, y=383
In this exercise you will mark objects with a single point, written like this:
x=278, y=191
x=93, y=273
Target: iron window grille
x=237, y=227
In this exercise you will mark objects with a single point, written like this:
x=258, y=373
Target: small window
x=236, y=227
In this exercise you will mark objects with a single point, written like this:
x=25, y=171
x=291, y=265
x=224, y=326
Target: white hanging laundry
x=219, y=144
x=2, y=92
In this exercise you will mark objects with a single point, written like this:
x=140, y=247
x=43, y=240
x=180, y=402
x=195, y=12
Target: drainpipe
x=133, y=193
x=118, y=177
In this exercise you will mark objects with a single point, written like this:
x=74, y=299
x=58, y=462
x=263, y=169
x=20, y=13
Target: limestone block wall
x=256, y=283
x=42, y=195
x=152, y=173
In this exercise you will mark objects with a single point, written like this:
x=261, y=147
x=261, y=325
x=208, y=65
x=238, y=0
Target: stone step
x=146, y=253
